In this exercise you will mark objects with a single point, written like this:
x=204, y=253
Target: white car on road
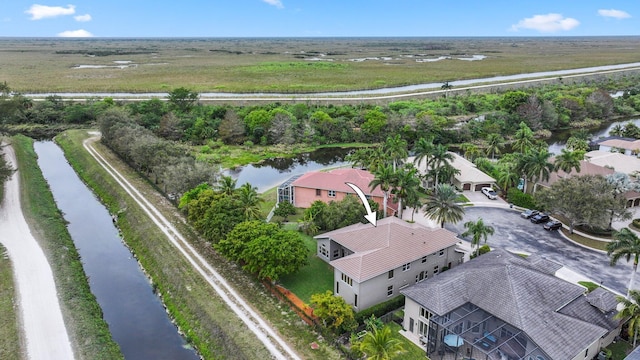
x=490, y=193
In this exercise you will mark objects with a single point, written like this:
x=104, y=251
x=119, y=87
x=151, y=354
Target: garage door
x=466, y=187
x=480, y=186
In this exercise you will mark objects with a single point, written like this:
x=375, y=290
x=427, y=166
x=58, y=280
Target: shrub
x=380, y=309
x=484, y=249
x=636, y=223
x=518, y=198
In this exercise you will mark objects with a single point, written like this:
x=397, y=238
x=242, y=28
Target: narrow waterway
x=137, y=320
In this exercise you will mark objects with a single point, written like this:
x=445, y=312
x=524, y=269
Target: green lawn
x=316, y=277
x=619, y=350
x=412, y=350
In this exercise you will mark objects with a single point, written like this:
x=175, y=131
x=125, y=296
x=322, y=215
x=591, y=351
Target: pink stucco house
x=303, y=190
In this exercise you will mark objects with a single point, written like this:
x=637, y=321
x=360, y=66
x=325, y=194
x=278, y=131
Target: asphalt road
x=515, y=233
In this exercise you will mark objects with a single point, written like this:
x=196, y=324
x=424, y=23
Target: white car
x=490, y=193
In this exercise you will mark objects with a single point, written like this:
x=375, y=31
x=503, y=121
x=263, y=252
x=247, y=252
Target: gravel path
x=39, y=309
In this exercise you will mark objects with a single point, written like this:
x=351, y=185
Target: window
x=389, y=290
x=586, y=352
x=423, y=328
x=436, y=269
x=406, y=266
x=424, y=259
x=424, y=313
x=411, y=325
x=355, y=301
x=335, y=253
x=475, y=328
x=337, y=287
x=390, y=274
x=323, y=250
x=331, y=193
x=442, y=252
x=421, y=276
x=347, y=280
x=318, y=192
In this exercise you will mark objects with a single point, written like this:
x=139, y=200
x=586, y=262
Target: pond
x=137, y=320
x=559, y=139
x=272, y=172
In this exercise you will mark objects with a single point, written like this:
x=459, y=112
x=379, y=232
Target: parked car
x=490, y=193
x=527, y=214
x=540, y=218
x=553, y=225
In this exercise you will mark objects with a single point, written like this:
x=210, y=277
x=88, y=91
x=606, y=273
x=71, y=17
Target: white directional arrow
x=371, y=216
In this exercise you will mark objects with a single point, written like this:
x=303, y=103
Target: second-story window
x=332, y=193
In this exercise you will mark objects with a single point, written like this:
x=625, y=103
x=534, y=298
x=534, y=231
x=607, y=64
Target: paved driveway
x=515, y=233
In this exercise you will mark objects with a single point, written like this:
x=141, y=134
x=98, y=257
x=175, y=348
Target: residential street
x=39, y=310
x=515, y=233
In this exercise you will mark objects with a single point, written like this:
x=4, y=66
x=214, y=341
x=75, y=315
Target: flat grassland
x=289, y=65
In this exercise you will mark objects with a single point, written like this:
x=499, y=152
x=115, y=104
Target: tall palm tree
x=440, y=157
x=226, y=185
x=617, y=130
x=631, y=311
x=384, y=176
x=406, y=183
x=423, y=150
x=446, y=87
x=568, y=160
x=523, y=139
x=395, y=148
x=625, y=244
x=379, y=344
x=535, y=165
x=471, y=151
x=494, y=144
x=442, y=207
x=250, y=202
x=507, y=176
x=478, y=230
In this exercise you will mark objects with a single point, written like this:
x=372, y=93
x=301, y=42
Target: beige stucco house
x=470, y=178
x=372, y=264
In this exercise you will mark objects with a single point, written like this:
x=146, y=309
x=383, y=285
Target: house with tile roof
x=503, y=306
x=470, y=177
x=326, y=186
x=373, y=263
x=624, y=146
x=586, y=168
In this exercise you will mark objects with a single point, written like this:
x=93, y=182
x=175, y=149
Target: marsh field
x=289, y=65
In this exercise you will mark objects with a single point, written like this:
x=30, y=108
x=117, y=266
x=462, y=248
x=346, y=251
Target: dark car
x=553, y=225
x=527, y=214
x=540, y=218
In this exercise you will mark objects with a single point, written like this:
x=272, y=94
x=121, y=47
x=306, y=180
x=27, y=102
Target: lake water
x=558, y=140
x=137, y=320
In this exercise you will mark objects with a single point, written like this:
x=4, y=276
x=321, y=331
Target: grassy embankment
x=208, y=323
x=10, y=343
x=88, y=332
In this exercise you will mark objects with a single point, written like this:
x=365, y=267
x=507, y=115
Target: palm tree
x=446, y=87
x=507, y=176
x=477, y=230
x=625, y=244
x=523, y=139
x=494, y=144
x=616, y=130
x=395, y=148
x=384, y=177
x=226, y=185
x=568, y=160
x=250, y=202
x=406, y=183
x=442, y=207
x=440, y=156
x=423, y=150
x=379, y=344
x=631, y=311
x=471, y=151
x=535, y=165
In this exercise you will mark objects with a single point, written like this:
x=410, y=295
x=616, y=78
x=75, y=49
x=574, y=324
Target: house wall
x=374, y=291
x=304, y=197
x=333, y=250
x=411, y=311
x=594, y=348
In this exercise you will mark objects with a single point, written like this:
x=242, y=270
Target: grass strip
x=10, y=344
x=88, y=332
x=204, y=318
x=594, y=244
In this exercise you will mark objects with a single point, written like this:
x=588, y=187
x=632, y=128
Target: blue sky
x=318, y=18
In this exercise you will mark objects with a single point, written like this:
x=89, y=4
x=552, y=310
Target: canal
x=136, y=317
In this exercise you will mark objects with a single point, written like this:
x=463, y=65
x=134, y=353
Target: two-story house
x=372, y=264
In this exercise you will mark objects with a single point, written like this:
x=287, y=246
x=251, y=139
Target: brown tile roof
x=586, y=168
x=336, y=179
x=391, y=244
x=622, y=144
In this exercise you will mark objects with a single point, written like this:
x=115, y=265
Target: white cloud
x=38, y=12
x=618, y=14
x=83, y=18
x=75, y=33
x=276, y=3
x=546, y=23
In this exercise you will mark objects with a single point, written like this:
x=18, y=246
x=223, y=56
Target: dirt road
x=39, y=309
x=278, y=348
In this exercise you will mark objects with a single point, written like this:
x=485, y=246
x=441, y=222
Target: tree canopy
x=334, y=312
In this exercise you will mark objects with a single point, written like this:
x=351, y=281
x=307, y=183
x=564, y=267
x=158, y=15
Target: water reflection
x=558, y=140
